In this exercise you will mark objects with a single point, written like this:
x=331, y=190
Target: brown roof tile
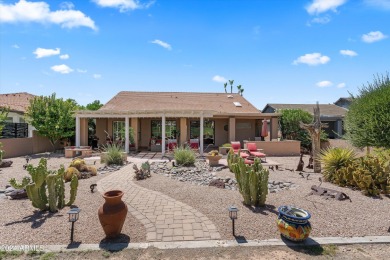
x=18, y=102
x=155, y=101
x=325, y=109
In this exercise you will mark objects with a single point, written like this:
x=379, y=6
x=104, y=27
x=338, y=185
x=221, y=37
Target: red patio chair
x=236, y=146
x=252, y=149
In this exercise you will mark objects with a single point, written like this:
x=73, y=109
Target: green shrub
x=368, y=117
x=334, y=159
x=114, y=154
x=227, y=145
x=184, y=156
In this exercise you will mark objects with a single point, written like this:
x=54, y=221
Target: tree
x=3, y=117
x=367, y=121
x=240, y=89
x=52, y=117
x=231, y=85
x=225, y=85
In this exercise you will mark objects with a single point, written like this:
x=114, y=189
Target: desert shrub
x=368, y=117
x=227, y=145
x=114, y=154
x=334, y=159
x=184, y=156
x=369, y=174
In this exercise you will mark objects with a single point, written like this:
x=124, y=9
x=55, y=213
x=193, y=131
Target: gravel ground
x=21, y=223
x=363, y=216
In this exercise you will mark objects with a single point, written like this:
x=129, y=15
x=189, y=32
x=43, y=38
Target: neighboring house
x=17, y=103
x=343, y=102
x=330, y=114
x=157, y=116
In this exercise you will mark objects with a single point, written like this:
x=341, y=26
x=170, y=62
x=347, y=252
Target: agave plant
x=334, y=159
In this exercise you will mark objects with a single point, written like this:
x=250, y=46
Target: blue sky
x=280, y=51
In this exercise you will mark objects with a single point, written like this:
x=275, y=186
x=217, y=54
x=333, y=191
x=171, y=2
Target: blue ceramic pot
x=293, y=223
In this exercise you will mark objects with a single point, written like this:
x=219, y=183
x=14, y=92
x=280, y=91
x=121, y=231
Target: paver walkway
x=164, y=218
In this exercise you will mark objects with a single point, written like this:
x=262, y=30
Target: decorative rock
x=15, y=194
x=218, y=183
x=5, y=163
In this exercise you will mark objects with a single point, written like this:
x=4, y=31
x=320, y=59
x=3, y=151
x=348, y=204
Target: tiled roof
x=221, y=103
x=17, y=102
x=325, y=109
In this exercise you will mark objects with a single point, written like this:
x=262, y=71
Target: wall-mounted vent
x=230, y=96
x=237, y=104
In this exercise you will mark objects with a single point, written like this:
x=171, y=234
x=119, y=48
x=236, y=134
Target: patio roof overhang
x=170, y=113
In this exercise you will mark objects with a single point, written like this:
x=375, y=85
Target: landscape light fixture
x=233, y=215
x=73, y=217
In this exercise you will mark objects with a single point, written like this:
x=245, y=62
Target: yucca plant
x=334, y=159
x=184, y=156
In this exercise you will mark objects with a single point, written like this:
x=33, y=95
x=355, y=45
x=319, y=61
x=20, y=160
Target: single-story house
x=343, y=102
x=17, y=103
x=331, y=114
x=212, y=118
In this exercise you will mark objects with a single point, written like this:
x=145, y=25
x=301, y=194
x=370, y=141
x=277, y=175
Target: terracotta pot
x=213, y=160
x=112, y=213
x=293, y=223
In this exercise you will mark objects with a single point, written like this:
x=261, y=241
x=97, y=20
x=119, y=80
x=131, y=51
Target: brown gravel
x=21, y=223
x=362, y=217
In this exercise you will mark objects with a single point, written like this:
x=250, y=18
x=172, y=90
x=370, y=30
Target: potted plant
x=213, y=157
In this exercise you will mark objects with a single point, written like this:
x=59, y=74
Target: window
x=118, y=130
x=208, y=130
x=9, y=120
x=170, y=129
x=21, y=120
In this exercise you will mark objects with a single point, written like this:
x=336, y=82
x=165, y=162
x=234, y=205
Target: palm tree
x=231, y=85
x=225, y=85
x=239, y=89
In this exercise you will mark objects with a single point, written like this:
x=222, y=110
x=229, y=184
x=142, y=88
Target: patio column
x=127, y=141
x=232, y=129
x=201, y=135
x=163, y=135
x=274, y=128
x=183, y=130
x=77, y=131
x=83, y=131
x=134, y=125
x=339, y=128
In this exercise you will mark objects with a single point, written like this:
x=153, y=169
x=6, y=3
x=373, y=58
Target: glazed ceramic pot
x=293, y=223
x=112, y=213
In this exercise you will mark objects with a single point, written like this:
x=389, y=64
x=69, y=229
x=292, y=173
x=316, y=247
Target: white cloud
x=24, y=11
x=322, y=6
x=67, y=5
x=63, y=69
x=373, y=37
x=15, y=46
x=97, y=76
x=162, y=44
x=81, y=71
x=348, y=53
x=383, y=4
x=320, y=20
x=123, y=5
x=64, y=56
x=41, y=52
x=324, y=84
x=219, y=79
x=341, y=85
x=312, y=59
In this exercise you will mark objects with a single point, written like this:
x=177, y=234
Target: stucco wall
x=245, y=133
x=221, y=136
x=278, y=148
x=15, y=147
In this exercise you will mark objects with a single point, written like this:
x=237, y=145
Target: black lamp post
x=73, y=217
x=233, y=215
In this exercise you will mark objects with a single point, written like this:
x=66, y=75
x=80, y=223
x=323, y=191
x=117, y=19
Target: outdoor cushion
x=244, y=155
x=251, y=147
x=258, y=154
x=236, y=146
